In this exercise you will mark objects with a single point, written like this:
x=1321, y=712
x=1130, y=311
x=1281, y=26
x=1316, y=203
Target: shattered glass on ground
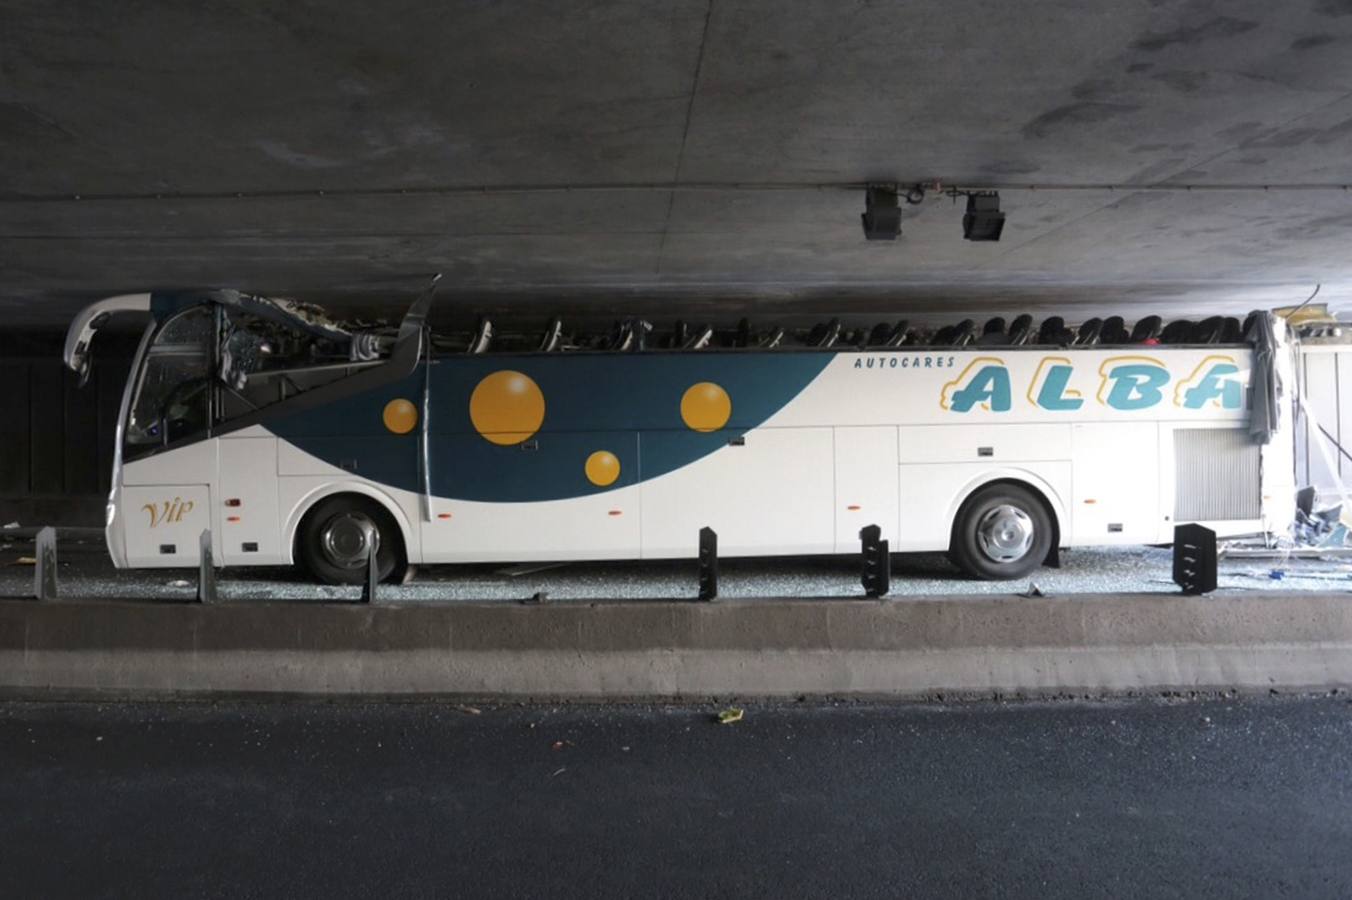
x=86, y=572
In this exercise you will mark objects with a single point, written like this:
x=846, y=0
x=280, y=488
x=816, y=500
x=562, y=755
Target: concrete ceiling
x=296, y=147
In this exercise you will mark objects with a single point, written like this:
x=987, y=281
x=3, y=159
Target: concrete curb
x=1104, y=644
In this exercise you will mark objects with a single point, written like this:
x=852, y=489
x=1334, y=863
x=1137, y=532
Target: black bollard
x=368, y=589
x=44, y=565
x=876, y=575
x=1195, y=559
x=708, y=564
x=206, y=569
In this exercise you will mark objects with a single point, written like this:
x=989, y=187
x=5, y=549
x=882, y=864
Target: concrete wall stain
x=1310, y=41
x=1219, y=27
x=1073, y=114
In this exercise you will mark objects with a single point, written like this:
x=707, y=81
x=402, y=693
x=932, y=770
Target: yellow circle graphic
x=507, y=407
x=400, y=416
x=602, y=468
x=706, y=407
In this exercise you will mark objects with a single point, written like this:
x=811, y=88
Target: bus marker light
x=1090, y=500
x=616, y=512
x=443, y=515
x=232, y=518
x=233, y=501
x=854, y=507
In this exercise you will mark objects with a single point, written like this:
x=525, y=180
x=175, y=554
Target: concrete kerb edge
x=1121, y=645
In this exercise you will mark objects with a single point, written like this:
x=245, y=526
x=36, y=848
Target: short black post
x=44, y=564
x=708, y=564
x=368, y=589
x=1195, y=559
x=206, y=569
x=877, y=562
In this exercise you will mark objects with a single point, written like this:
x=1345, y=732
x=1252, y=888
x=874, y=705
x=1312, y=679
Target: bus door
x=167, y=461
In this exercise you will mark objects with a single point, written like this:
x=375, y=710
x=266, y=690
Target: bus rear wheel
x=333, y=544
x=1002, y=531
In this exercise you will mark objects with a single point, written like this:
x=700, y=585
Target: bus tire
x=331, y=546
x=1002, y=531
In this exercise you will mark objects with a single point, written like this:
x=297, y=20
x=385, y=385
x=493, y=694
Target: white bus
x=292, y=438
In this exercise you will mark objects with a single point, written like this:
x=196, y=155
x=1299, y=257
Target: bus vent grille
x=1216, y=475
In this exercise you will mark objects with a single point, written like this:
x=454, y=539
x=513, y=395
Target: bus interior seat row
x=637, y=334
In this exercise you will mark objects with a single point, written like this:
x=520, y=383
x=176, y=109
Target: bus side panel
x=772, y=494
x=247, y=516
x=163, y=502
x=304, y=479
x=932, y=492
x=163, y=524
x=600, y=522
x=942, y=464
x=1116, y=471
x=865, y=484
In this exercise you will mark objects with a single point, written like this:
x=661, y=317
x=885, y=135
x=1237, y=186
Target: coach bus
x=294, y=439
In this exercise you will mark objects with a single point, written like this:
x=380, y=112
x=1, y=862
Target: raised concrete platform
x=1045, y=646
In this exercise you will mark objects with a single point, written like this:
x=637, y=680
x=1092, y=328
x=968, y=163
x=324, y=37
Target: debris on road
x=469, y=710
x=730, y=715
x=559, y=745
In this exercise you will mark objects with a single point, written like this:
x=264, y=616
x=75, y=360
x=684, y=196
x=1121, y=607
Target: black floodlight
x=882, y=216
x=983, y=220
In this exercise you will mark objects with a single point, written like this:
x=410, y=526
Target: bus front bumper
x=113, y=532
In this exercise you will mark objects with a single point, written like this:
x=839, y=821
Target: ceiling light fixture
x=882, y=216
x=983, y=220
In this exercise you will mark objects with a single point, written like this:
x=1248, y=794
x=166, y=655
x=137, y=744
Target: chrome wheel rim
x=1005, y=534
x=348, y=538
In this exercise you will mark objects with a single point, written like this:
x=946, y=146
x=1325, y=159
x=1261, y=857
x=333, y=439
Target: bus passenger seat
x=483, y=336
x=879, y=335
x=963, y=333
x=1054, y=331
x=553, y=336
x=825, y=335
x=993, y=333
x=1089, y=332
x=1147, y=329
x=1250, y=326
x=773, y=339
x=699, y=338
x=1114, y=331
x=898, y=335
x=743, y=332
x=1208, y=331
x=1231, y=332
x=1179, y=331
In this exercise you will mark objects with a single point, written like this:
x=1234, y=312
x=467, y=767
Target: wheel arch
x=1022, y=478
x=317, y=495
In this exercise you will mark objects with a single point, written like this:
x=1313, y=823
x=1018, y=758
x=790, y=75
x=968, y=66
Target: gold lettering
x=168, y=510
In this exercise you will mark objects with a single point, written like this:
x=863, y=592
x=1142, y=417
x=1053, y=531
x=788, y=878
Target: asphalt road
x=1223, y=798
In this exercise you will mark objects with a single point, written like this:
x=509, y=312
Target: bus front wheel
x=333, y=543
x=1002, y=531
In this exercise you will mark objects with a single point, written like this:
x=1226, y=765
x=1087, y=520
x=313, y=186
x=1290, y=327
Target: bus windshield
x=171, y=399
